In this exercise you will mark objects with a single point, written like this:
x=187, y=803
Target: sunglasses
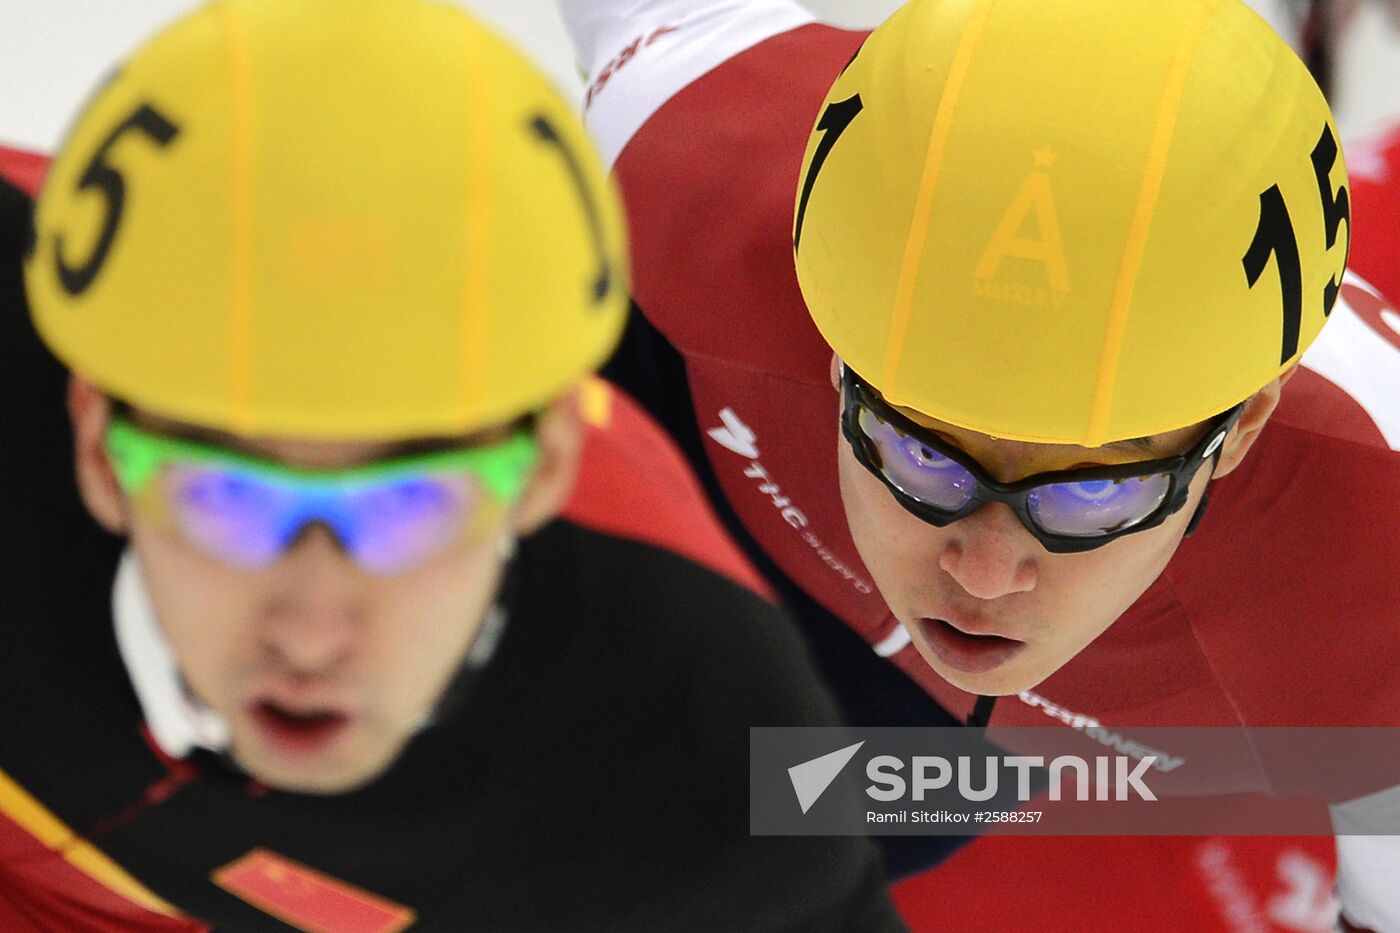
x=1067, y=511
x=247, y=511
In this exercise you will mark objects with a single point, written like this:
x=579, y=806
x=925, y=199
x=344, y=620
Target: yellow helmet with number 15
x=1072, y=221
x=354, y=219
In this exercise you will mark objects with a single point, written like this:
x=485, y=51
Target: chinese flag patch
x=307, y=899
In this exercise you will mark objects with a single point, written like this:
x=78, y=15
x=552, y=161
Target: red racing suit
x=1374, y=166
x=1279, y=610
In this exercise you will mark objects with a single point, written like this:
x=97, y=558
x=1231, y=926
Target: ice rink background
x=53, y=51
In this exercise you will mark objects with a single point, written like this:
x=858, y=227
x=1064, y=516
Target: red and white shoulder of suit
x=1373, y=164
x=1375, y=159
x=644, y=51
x=1359, y=352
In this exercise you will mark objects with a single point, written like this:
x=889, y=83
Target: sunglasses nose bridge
x=318, y=512
x=1014, y=499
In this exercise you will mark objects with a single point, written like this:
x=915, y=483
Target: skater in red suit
x=940, y=334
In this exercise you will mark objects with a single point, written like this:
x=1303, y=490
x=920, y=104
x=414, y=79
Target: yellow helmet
x=1072, y=221
x=358, y=219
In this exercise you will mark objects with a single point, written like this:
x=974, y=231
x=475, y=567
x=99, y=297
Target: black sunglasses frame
x=1180, y=470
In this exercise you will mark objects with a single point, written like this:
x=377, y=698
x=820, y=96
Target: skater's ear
x=90, y=411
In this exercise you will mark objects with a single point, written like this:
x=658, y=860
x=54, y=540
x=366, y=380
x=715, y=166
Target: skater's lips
x=969, y=652
x=298, y=734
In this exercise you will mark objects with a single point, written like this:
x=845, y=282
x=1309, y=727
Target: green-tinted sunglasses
x=389, y=516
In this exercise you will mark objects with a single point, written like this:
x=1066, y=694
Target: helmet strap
x=1205, y=496
x=1199, y=513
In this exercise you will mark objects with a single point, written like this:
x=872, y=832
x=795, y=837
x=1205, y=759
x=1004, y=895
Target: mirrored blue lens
x=231, y=515
x=390, y=526
x=916, y=469
x=1090, y=508
x=248, y=519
